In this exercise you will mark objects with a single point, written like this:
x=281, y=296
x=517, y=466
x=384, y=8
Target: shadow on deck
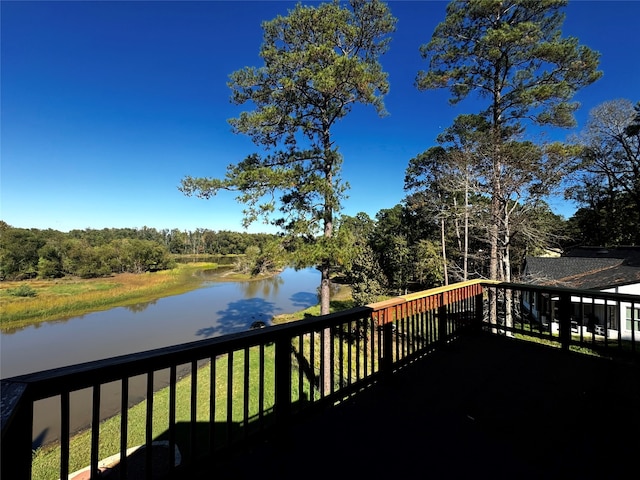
x=484, y=406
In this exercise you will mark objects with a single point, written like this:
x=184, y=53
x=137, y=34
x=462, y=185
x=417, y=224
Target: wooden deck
x=483, y=407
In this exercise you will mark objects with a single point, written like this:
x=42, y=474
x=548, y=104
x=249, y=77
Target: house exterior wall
x=632, y=289
x=627, y=310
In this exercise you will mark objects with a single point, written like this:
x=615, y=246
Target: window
x=633, y=314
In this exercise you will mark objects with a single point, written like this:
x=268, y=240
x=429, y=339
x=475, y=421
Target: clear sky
x=106, y=106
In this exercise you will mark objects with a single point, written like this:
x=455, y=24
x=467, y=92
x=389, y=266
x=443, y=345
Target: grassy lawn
x=589, y=347
x=68, y=297
x=46, y=460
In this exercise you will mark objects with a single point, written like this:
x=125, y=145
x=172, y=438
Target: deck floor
x=483, y=407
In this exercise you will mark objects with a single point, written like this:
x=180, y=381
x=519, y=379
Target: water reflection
x=304, y=299
x=238, y=315
x=268, y=287
x=140, y=307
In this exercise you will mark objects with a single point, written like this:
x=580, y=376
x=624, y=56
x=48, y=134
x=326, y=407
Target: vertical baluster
x=358, y=348
x=618, y=316
x=341, y=336
x=312, y=360
x=95, y=430
x=245, y=401
x=394, y=319
x=581, y=318
x=350, y=352
x=416, y=334
x=323, y=367
x=124, y=426
x=194, y=413
x=301, y=370
x=365, y=344
x=593, y=320
x=64, y=434
x=229, y=396
x=149, y=428
x=261, y=388
x=634, y=316
x=173, y=379
x=212, y=406
x=332, y=359
x=606, y=324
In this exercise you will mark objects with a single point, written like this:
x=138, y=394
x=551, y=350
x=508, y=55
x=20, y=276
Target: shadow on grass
x=199, y=448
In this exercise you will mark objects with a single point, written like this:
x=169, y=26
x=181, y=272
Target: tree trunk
x=444, y=252
x=325, y=268
x=465, y=258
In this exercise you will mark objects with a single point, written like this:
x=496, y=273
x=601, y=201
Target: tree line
x=440, y=233
x=36, y=253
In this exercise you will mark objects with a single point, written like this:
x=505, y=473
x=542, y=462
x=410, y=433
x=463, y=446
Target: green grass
x=46, y=460
x=596, y=348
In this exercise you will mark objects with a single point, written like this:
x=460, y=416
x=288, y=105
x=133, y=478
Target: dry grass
x=63, y=298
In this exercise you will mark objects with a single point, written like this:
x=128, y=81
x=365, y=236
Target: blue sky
x=106, y=106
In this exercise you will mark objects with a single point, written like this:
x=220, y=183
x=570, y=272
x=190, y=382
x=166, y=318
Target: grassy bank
x=67, y=297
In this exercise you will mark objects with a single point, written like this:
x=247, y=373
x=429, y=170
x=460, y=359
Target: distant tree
x=358, y=260
x=318, y=63
x=392, y=244
x=50, y=261
x=259, y=261
x=634, y=126
x=608, y=175
x=426, y=173
x=18, y=253
x=444, y=177
x=429, y=269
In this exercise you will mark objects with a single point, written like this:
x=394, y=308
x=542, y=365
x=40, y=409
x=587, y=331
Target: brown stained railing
x=255, y=381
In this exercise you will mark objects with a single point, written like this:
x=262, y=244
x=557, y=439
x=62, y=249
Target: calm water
x=215, y=309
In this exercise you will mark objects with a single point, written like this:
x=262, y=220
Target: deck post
x=17, y=427
x=479, y=313
x=387, y=348
x=442, y=321
x=564, y=320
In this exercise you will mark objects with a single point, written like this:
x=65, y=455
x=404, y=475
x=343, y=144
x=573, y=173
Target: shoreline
x=61, y=299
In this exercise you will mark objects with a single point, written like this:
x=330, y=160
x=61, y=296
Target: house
x=614, y=270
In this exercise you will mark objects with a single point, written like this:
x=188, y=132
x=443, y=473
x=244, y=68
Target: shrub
x=22, y=291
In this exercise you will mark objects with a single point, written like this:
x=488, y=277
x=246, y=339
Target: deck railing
x=583, y=320
x=239, y=387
